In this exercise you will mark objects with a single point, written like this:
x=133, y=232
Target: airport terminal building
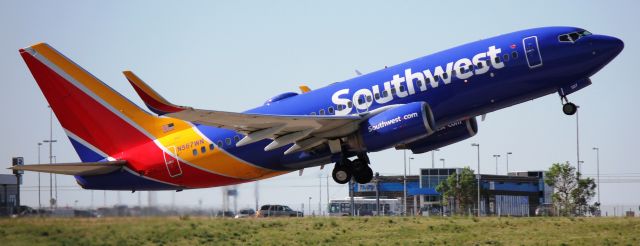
x=515, y=194
x=8, y=194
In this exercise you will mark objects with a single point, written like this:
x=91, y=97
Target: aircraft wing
x=304, y=131
x=78, y=168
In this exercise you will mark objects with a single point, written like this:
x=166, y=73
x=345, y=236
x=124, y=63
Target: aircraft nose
x=609, y=47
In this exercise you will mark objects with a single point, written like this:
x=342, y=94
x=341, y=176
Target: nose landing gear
x=568, y=108
x=359, y=169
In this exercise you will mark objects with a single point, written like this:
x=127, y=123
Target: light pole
x=50, y=141
x=320, y=194
x=442, y=160
x=327, y=179
x=377, y=180
x=598, y=170
x=433, y=162
x=55, y=183
x=578, y=140
x=410, y=158
x=309, y=206
x=39, y=198
x=580, y=164
x=496, y=156
x=404, y=184
x=508, y=153
x=478, y=176
x=255, y=193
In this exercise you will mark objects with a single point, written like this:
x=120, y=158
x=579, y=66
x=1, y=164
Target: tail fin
x=100, y=122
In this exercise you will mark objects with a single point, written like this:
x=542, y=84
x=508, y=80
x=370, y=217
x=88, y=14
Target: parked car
x=245, y=213
x=227, y=214
x=278, y=211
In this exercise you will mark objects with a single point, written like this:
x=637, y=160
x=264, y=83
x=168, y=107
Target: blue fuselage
x=458, y=83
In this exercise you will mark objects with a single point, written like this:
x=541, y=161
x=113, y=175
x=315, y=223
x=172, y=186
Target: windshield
x=573, y=37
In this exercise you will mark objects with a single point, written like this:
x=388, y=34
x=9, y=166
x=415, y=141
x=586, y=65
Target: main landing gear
x=359, y=169
x=568, y=108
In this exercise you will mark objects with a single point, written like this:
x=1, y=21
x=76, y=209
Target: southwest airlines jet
x=419, y=105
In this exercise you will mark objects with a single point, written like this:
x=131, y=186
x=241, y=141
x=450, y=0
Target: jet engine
x=395, y=126
x=449, y=134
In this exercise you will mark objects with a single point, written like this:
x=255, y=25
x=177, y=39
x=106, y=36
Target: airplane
x=419, y=105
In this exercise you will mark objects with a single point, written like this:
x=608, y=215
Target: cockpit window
x=573, y=37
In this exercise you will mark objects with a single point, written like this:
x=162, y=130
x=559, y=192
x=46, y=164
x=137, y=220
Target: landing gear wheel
x=341, y=173
x=569, y=108
x=364, y=176
x=362, y=173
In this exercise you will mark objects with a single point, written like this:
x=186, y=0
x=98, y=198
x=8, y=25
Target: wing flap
x=78, y=168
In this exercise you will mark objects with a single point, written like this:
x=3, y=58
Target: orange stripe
x=150, y=123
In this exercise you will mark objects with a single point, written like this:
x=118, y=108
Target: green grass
x=315, y=231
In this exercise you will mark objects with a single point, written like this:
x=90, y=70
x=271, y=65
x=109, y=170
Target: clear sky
x=234, y=55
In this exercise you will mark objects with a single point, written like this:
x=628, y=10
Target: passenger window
x=330, y=110
x=470, y=67
x=497, y=59
x=349, y=104
x=377, y=95
x=219, y=143
x=445, y=76
x=393, y=90
x=427, y=81
x=462, y=70
x=385, y=93
x=479, y=65
x=505, y=57
x=401, y=89
x=321, y=112
x=514, y=55
x=195, y=152
x=236, y=138
x=228, y=141
x=369, y=99
x=360, y=100
x=210, y=146
x=203, y=149
x=436, y=78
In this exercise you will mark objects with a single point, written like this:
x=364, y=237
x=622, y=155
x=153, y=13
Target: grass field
x=315, y=231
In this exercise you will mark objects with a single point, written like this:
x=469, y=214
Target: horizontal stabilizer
x=76, y=168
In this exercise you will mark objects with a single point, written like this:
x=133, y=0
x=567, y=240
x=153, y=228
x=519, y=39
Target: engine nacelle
x=446, y=135
x=395, y=126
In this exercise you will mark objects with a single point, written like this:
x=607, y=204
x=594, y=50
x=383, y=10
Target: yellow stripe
x=215, y=160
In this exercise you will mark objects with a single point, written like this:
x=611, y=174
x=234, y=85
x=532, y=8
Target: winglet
x=304, y=88
x=151, y=98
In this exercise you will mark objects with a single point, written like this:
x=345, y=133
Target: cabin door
x=532, y=51
x=171, y=160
